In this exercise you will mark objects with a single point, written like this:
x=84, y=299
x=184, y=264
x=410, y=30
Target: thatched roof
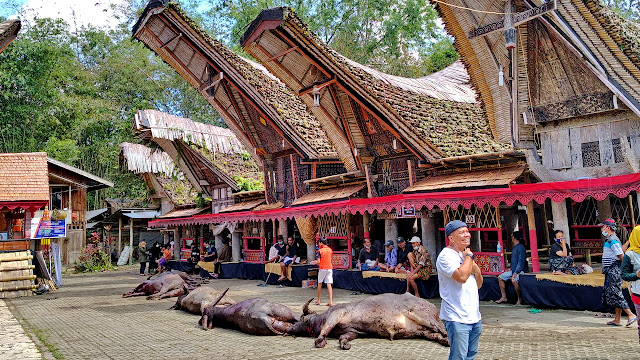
x=597, y=48
x=166, y=126
x=8, y=32
x=436, y=115
x=141, y=159
x=204, y=153
x=250, y=100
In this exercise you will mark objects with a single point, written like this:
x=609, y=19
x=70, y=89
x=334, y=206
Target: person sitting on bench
x=390, y=257
x=560, y=257
x=368, y=259
x=277, y=251
x=289, y=258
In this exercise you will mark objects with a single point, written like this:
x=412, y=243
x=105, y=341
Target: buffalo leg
x=345, y=338
x=329, y=324
x=135, y=292
x=434, y=336
x=170, y=293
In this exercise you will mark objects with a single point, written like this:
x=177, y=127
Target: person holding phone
x=459, y=279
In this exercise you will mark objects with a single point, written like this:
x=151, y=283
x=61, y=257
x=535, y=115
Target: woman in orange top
x=325, y=272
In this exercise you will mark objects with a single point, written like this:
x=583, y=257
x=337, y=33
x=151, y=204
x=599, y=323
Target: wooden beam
x=319, y=86
x=294, y=173
x=369, y=185
x=410, y=170
x=283, y=53
x=170, y=41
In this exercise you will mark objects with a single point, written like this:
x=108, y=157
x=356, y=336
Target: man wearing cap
x=403, y=256
x=390, y=257
x=459, y=280
x=611, y=259
x=421, y=266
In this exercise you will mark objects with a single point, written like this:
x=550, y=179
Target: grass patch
x=44, y=340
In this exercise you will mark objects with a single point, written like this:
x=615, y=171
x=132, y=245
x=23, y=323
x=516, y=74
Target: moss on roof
x=282, y=99
x=454, y=128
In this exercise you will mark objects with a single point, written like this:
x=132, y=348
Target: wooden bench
x=587, y=253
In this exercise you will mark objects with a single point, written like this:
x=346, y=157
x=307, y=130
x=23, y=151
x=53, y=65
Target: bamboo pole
x=533, y=237
x=119, y=233
x=130, y=241
x=632, y=215
x=19, y=278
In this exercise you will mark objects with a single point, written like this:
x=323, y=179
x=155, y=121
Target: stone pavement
x=14, y=343
x=88, y=319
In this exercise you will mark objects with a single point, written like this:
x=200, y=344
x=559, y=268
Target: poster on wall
x=50, y=229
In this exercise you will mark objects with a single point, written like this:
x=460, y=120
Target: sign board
x=406, y=212
x=518, y=19
x=254, y=231
x=48, y=229
x=333, y=230
x=470, y=219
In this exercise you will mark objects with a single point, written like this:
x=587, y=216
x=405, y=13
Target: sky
x=77, y=13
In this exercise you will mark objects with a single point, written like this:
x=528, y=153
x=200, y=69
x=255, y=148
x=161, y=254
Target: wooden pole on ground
x=533, y=237
x=632, y=215
x=119, y=234
x=130, y=241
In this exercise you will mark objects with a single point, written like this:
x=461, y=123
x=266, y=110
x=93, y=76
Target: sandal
x=613, y=324
x=500, y=301
x=631, y=321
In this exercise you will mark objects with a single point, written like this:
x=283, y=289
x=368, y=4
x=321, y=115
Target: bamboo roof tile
x=290, y=114
x=439, y=109
x=8, y=31
x=178, y=213
x=326, y=195
x=243, y=206
x=486, y=178
x=24, y=177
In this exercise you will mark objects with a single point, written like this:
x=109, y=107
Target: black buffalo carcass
x=163, y=286
x=255, y=316
x=389, y=316
x=197, y=300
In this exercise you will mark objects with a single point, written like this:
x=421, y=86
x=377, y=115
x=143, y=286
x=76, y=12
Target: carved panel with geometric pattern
x=334, y=225
x=585, y=212
x=485, y=217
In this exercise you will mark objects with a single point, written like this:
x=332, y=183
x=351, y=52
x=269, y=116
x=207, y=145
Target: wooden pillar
x=429, y=232
x=119, y=234
x=632, y=215
x=283, y=229
x=391, y=230
x=365, y=224
x=236, y=245
x=561, y=219
x=604, y=209
x=177, y=243
x=130, y=241
x=533, y=237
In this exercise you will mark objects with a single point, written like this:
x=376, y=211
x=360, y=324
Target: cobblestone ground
x=14, y=343
x=88, y=319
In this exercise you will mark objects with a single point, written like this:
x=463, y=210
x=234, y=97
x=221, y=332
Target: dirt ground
x=87, y=318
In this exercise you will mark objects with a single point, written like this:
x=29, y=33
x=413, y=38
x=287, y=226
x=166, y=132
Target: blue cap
x=453, y=226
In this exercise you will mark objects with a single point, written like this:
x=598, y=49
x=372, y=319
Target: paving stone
x=88, y=319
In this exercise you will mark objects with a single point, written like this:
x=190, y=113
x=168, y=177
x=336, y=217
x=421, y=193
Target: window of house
x=618, y=155
x=591, y=154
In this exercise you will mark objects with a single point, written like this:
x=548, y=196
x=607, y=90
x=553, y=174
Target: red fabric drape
x=577, y=190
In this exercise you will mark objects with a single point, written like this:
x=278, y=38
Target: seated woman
x=560, y=257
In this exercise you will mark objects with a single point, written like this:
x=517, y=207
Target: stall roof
x=177, y=213
x=93, y=213
x=142, y=214
x=23, y=178
x=92, y=182
x=243, y=206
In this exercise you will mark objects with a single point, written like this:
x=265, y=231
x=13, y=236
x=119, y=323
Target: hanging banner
x=57, y=263
x=50, y=229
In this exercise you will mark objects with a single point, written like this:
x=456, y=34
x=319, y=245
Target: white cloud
x=76, y=13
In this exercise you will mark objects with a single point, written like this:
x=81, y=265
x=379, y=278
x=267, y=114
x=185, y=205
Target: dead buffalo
x=200, y=298
x=163, y=286
x=389, y=316
x=253, y=316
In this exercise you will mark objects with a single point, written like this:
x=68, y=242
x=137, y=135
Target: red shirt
x=325, y=258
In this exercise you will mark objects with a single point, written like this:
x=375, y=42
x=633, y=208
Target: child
x=166, y=256
x=325, y=273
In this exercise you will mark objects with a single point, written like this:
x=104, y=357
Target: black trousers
x=143, y=265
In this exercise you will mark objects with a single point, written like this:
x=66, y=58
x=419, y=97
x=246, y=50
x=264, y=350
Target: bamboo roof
x=250, y=100
x=435, y=116
x=24, y=177
x=485, y=178
x=602, y=48
x=328, y=195
x=8, y=32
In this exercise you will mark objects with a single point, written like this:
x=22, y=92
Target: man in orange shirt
x=325, y=272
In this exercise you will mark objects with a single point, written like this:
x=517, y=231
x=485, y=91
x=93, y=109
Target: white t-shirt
x=460, y=302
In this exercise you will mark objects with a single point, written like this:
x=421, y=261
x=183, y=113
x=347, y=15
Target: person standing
x=611, y=260
x=630, y=271
x=518, y=266
x=325, y=270
x=141, y=254
x=459, y=280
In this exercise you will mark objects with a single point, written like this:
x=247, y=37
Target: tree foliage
x=399, y=37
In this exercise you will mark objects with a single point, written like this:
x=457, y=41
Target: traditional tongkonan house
x=211, y=159
x=289, y=144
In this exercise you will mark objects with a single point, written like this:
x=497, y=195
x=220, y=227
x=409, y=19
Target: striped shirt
x=612, y=248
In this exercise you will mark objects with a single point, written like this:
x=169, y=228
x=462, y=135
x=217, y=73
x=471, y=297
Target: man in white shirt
x=459, y=279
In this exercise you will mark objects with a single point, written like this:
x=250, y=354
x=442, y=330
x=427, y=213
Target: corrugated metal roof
x=24, y=177
x=142, y=214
